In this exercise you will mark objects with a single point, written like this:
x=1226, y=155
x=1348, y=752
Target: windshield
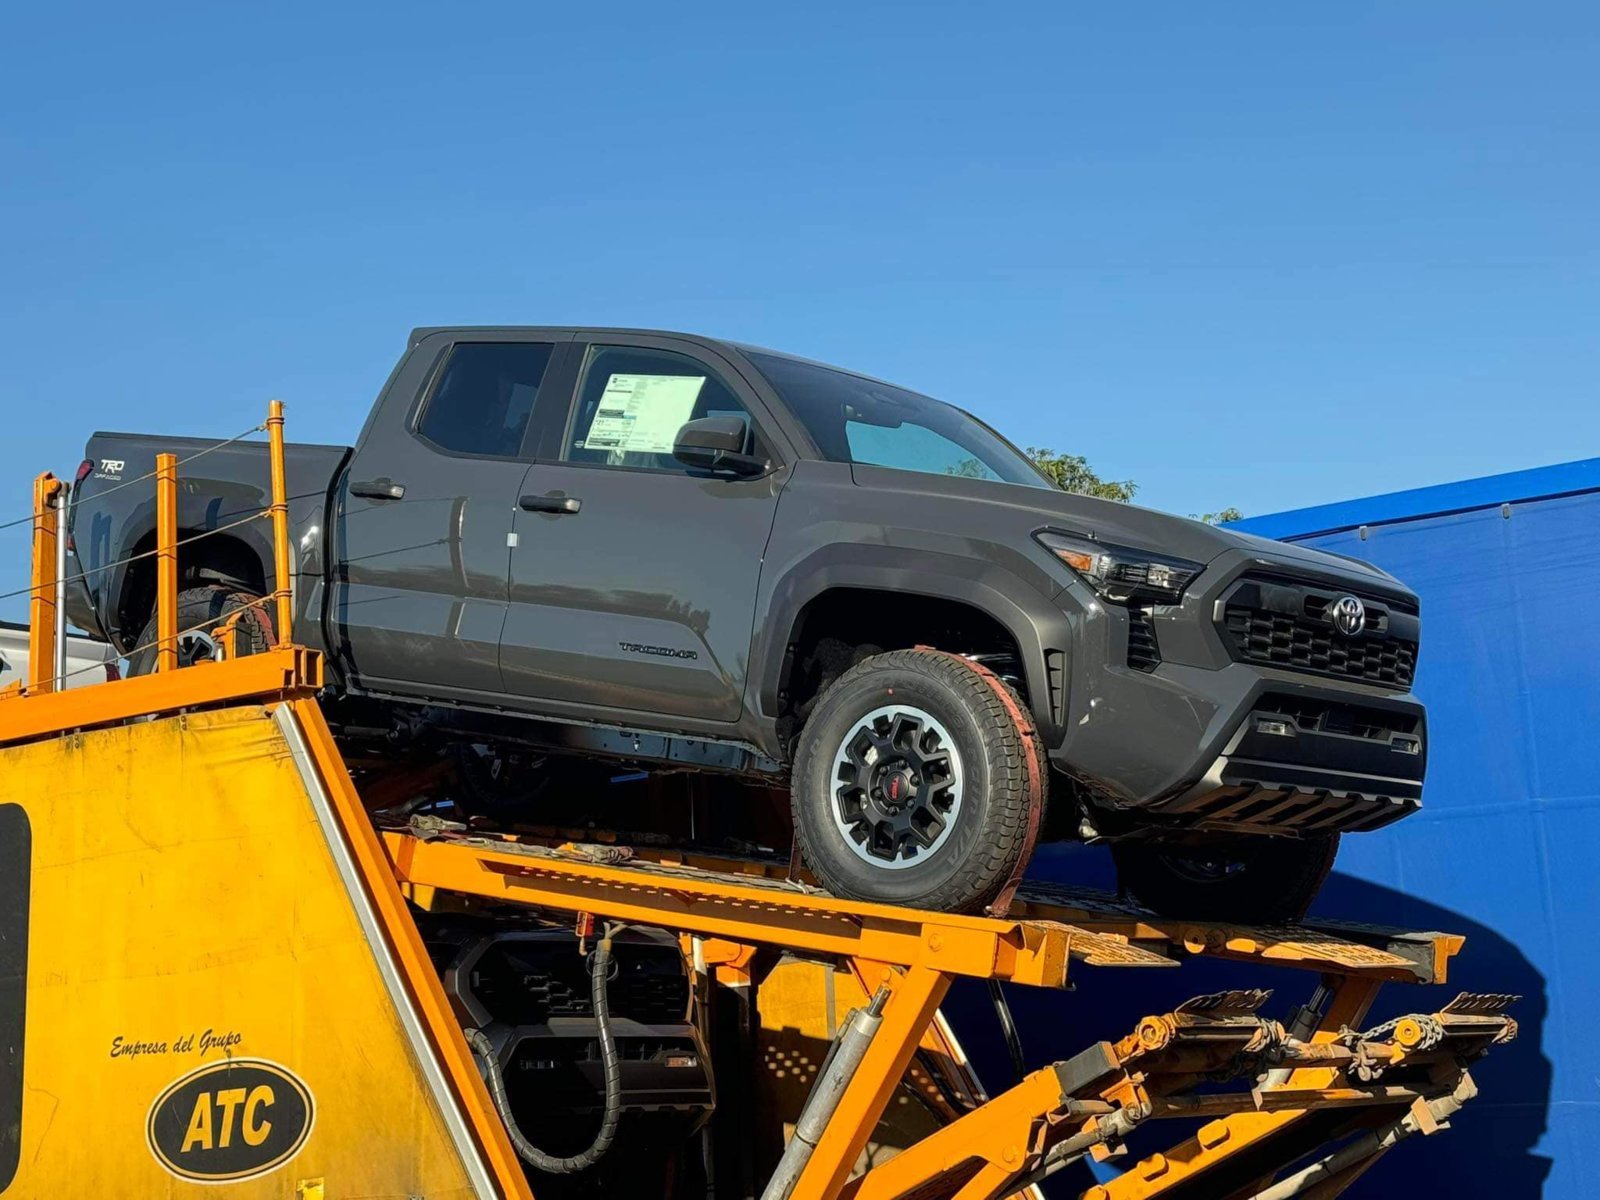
x=859, y=420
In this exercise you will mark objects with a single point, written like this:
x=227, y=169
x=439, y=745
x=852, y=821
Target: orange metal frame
x=917, y=955
x=43, y=705
x=734, y=907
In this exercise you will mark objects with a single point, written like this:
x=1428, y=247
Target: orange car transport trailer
x=221, y=975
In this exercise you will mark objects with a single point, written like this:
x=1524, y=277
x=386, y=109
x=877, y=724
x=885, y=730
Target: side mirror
x=717, y=444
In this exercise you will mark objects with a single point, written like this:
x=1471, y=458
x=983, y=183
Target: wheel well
x=843, y=625
x=221, y=559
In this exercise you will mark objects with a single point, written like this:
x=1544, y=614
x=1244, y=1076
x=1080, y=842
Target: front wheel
x=1262, y=880
x=918, y=781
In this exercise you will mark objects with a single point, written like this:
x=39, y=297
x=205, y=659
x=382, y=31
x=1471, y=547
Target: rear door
x=424, y=514
x=633, y=578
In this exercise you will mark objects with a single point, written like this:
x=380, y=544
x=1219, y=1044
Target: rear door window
x=484, y=397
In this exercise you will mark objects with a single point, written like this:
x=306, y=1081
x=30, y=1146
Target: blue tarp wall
x=1506, y=849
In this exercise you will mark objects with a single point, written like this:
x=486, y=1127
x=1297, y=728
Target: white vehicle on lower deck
x=84, y=655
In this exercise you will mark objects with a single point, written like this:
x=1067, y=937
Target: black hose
x=599, y=968
x=1008, y=1026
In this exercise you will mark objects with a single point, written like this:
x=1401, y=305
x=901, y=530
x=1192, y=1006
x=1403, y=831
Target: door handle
x=559, y=505
x=382, y=488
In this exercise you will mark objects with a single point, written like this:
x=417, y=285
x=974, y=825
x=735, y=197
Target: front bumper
x=1202, y=741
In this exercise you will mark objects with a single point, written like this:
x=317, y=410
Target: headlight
x=1123, y=574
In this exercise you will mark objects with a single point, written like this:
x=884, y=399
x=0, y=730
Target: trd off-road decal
x=16, y=857
x=230, y=1120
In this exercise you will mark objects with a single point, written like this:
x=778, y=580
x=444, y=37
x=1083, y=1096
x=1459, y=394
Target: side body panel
x=417, y=597
x=642, y=601
x=640, y=604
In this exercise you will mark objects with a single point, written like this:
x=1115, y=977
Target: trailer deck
x=210, y=901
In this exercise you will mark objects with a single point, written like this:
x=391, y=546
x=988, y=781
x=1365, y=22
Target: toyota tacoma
x=690, y=554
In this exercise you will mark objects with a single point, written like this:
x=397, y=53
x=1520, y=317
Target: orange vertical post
x=47, y=491
x=280, y=524
x=166, y=562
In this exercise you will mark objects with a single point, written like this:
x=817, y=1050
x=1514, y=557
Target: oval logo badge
x=230, y=1120
x=1348, y=614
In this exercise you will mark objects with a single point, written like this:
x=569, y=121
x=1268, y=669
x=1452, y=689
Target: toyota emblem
x=1348, y=614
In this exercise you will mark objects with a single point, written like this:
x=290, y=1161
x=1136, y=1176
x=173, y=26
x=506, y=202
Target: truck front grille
x=1281, y=623
x=1348, y=720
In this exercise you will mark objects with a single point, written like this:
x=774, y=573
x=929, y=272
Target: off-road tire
x=210, y=607
x=1273, y=879
x=1001, y=789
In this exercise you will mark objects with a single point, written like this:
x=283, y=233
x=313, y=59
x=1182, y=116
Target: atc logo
x=229, y=1121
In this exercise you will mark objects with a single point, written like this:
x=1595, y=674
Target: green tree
x=1072, y=473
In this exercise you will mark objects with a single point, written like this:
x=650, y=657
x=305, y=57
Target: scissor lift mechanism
x=1311, y=1106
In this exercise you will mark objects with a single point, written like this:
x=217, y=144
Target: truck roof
x=423, y=331
x=589, y=331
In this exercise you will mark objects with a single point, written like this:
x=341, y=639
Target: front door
x=425, y=517
x=633, y=578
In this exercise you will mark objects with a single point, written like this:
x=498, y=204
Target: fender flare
x=1035, y=621
x=191, y=521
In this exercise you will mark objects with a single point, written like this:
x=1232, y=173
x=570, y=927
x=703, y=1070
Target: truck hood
x=1146, y=528
x=1126, y=524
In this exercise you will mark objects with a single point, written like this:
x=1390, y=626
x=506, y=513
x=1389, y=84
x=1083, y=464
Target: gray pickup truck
x=691, y=554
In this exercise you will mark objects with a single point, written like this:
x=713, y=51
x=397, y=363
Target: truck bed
x=112, y=519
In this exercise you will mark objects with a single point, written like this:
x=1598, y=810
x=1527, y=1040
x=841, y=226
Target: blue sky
x=1253, y=254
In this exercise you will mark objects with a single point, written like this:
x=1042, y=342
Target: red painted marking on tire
x=1032, y=752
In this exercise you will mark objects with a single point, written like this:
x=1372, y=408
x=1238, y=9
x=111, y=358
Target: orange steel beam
x=421, y=979
x=1218, y=1140
x=166, y=562
x=1108, y=933
x=47, y=493
x=284, y=632
x=1004, y=1134
x=724, y=907
x=275, y=674
x=914, y=997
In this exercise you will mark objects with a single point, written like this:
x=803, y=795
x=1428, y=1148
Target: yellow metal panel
x=185, y=910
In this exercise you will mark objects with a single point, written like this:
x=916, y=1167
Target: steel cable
x=219, y=619
x=238, y=437
x=82, y=575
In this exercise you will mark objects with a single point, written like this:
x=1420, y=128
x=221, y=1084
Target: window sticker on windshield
x=641, y=414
